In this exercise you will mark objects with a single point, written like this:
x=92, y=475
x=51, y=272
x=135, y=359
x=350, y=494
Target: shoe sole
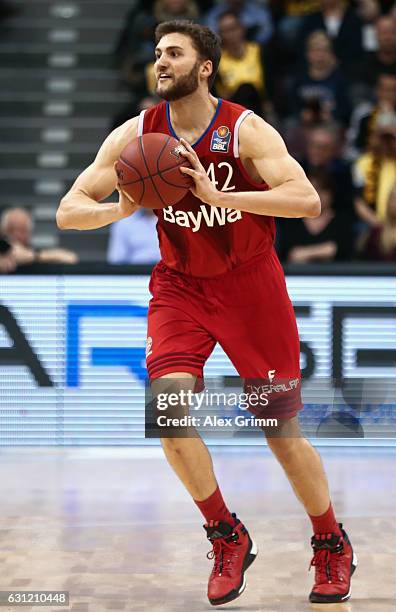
x=250, y=557
x=319, y=598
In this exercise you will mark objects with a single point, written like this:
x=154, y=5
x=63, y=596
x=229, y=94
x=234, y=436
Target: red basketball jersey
x=202, y=240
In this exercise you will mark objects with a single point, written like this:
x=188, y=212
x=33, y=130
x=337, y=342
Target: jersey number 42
x=212, y=175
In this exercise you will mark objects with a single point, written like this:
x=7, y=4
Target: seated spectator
x=319, y=88
x=297, y=134
x=382, y=61
x=375, y=171
x=280, y=54
x=241, y=71
x=290, y=16
x=380, y=243
x=256, y=19
x=135, y=47
x=134, y=240
x=343, y=27
x=369, y=11
x=324, y=156
x=17, y=229
x=324, y=238
x=364, y=117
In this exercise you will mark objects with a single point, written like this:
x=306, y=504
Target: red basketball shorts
x=247, y=311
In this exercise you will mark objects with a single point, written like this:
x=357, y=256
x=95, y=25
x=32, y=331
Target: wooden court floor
x=116, y=529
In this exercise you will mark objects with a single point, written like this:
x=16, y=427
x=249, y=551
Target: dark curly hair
x=204, y=40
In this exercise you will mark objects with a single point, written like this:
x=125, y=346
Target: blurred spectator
x=289, y=15
x=134, y=240
x=241, y=70
x=282, y=50
x=17, y=229
x=318, y=90
x=386, y=35
x=17, y=226
x=385, y=59
x=256, y=19
x=369, y=11
x=364, y=116
x=375, y=171
x=380, y=243
x=325, y=238
x=324, y=148
x=342, y=25
x=382, y=61
x=135, y=47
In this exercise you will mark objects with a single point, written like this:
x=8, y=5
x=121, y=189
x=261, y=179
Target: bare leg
x=302, y=465
x=189, y=457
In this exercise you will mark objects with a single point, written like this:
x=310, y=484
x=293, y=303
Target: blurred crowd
x=323, y=72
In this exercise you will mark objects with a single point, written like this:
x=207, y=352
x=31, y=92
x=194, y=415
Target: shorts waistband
x=240, y=269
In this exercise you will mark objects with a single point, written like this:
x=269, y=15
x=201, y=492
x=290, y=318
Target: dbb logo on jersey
x=220, y=140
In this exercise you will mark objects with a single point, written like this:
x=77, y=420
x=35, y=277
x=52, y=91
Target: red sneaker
x=233, y=551
x=334, y=562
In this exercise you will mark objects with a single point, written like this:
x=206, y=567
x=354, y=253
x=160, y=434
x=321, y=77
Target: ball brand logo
x=120, y=174
x=223, y=131
x=177, y=151
x=210, y=215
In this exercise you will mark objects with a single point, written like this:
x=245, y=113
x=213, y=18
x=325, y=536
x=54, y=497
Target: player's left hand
x=203, y=187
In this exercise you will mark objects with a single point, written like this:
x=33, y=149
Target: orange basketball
x=148, y=170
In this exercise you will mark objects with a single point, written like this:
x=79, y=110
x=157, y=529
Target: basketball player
x=220, y=281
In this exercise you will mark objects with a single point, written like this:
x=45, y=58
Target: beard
x=184, y=86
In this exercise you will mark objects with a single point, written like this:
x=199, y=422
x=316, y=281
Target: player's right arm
x=81, y=207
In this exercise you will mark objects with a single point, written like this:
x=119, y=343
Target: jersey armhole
x=238, y=122
x=140, y=126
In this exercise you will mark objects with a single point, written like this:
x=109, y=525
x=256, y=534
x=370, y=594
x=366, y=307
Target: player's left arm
x=290, y=194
